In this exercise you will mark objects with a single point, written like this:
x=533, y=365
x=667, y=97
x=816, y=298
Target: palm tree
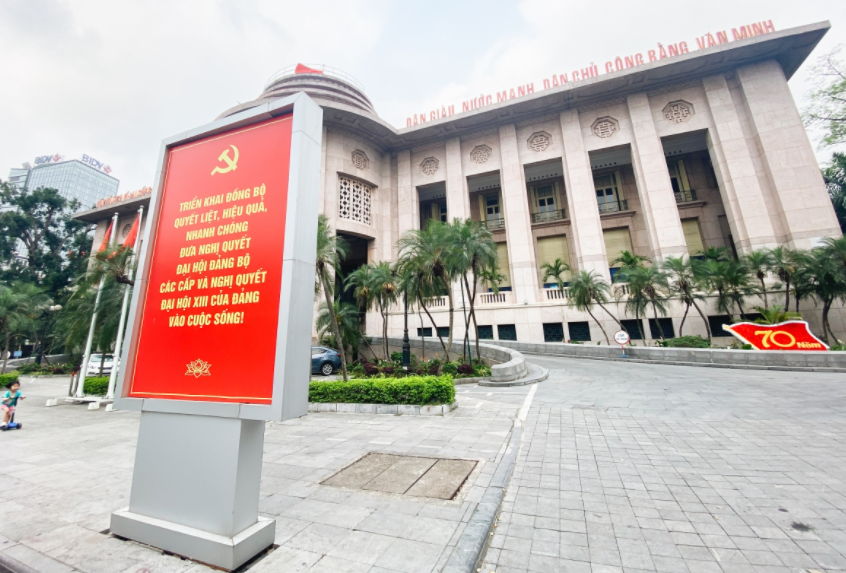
x=113, y=262
x=759, y=262
x=330, y=250
x=435, y=255
x=555, y=271
x=383, y=282
x=629, y=260
x=683, y=283
x=730, y=279
x=17, y=312
x=476, y=252
x=783, y=265
x=715, y=254
x=650, y=284
x=827, y=280
x=345, y=316
x=775, y=315
x=418, y=285
x=588, y=288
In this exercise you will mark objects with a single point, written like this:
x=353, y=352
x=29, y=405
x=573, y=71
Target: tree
x=418, y=285
x=476, y=252
x=758, y=263
x=374, y=285
x=783, y=265
x=555, y=271
x=629, y=260
x=835, y=181
x=330, y=250
x=684, y=283
x=729, y=279
x=39, y=242
x=586, y=289
x=114, y=262
x=647, y=285
x=346, y=323
x=827, y=100
x=433, y=249
x=827, y=281
x=17, y=312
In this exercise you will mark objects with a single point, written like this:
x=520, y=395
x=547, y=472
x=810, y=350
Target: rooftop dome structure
x=323, y=83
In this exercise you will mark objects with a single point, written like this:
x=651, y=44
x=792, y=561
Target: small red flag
x=105, y=244
x=129, y=241
x=301, y=69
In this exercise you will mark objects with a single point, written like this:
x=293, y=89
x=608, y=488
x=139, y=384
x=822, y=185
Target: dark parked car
x=324, y=360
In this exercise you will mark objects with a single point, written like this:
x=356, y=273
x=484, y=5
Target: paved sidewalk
x=69, y=468
x=632, y=468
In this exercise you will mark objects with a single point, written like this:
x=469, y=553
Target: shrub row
x=96, y=386
x=416, y=390
x=6, y=379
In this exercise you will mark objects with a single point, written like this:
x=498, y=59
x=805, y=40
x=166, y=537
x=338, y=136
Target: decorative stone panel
x=539, y=141
x=678, y=111
x=480, y=153
x=359, y=159
x=354, y=200
x=429, y=166
x=605, y=127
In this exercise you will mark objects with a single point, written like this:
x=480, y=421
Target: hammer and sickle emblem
x=231, y=164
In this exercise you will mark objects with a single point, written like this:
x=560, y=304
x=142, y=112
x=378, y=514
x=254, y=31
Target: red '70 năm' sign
x=790, y=335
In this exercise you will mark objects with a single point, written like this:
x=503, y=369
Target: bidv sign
x=48, y=159
x=88, y=160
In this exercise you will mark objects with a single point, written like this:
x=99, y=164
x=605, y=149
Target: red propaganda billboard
x=790, y=335
x=210, y=305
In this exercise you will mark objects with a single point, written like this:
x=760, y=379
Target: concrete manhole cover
x=405, y=475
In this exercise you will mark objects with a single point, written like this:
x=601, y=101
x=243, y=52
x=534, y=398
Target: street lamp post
x=45, y=312
x=406, y=347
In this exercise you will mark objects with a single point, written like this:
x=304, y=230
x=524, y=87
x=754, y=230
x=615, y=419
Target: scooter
x=12, y=425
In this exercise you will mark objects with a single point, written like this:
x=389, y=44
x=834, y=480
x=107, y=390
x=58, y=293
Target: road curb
x=474, y=540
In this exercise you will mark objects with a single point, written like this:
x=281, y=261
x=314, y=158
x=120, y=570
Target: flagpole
x=87, y=355
x=110, y=395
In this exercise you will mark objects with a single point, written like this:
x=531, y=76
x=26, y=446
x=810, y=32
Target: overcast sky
x=113, y=78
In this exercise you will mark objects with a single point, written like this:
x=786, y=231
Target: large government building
x=660, y=156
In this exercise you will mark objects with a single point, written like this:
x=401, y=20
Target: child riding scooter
x=8, y=405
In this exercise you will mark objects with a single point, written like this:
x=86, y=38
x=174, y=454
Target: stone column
x=741, y=191
x=799, y=194
x=458, y=199
x=654, y=188
x=586, y=241
x=407, y=203
x=518, y=225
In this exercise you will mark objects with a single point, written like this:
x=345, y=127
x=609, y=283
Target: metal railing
x=621, y=205
x=620, y=289
x=495, y=224
x=327, y=70
x=685, y=196
x=547, y=216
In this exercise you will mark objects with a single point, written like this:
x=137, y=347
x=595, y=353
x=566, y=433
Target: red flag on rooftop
x=301, y=69
x=105, y=244
x=129, y=241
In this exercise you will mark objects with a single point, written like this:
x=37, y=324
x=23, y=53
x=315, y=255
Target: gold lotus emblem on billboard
x=198, y=368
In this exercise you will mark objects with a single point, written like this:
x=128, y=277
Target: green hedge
x=6, y=379
x=96, y=386
x=695, y=341
x=419, y=390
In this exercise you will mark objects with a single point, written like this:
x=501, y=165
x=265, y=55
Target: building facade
x=704, y=149
x=72, y=179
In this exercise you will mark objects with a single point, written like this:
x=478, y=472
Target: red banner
x=790, y=335
x=211, y=302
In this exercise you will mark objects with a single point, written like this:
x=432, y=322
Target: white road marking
x=527, y=403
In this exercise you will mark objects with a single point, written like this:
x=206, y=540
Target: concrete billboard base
x=195, y=488
x=225, y=552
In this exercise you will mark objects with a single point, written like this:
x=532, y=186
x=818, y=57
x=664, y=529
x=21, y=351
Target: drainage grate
x=405, y=475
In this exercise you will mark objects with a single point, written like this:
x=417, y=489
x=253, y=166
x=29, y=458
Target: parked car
x=324, y=360
x=94, y=365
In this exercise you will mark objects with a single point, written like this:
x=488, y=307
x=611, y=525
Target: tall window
x=678, y=176
x=491, y=210
x=550, y=249
x=616, y=241
x=692, y=236
x=547, y=204
x=434, y=212
x=609, y=196
x=504, y=268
